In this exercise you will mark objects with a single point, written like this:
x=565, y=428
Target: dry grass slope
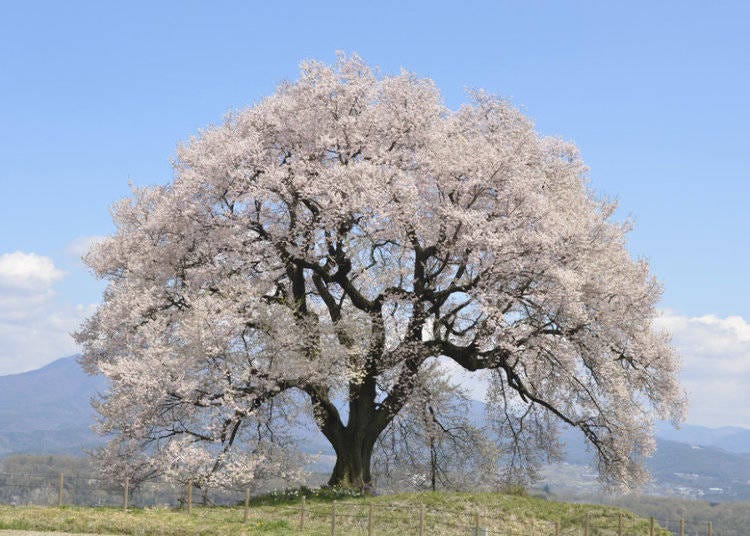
x=394, y=515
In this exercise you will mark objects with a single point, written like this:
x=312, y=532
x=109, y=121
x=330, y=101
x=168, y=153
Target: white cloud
x=24, y=272
x=35, y=324
x=39, y=338
x=17, y=307
x=715, y=366
x=78, y=247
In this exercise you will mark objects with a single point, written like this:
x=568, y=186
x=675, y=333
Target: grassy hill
x=394, y=515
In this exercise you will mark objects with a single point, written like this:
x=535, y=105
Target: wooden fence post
x=651, y=526
x=371, y=520
x=619, y=524
x=586, y=525
x=190, y=496
x=60, y=490
x=333, y=518
x=302, y=514
x=476, y=523
x=710, y=529
x=421, y=520
x=246, y=511
x=557, y=528
x=125, y=493
x=682, y=527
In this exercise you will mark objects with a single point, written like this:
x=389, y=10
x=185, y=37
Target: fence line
x=343, y=518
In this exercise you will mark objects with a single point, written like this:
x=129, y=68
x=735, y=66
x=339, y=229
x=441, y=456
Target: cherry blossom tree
x=335, y=240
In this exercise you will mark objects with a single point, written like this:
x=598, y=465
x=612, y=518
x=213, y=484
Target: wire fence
x=338, y=517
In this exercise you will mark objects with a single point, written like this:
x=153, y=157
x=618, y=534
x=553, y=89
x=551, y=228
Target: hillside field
x=394, y=515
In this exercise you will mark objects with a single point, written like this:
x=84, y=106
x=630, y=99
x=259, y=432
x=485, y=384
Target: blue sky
x=93, y=95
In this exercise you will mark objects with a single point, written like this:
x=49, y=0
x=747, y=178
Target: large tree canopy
x=343, y=239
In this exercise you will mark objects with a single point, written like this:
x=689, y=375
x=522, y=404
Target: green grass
x=394, y=515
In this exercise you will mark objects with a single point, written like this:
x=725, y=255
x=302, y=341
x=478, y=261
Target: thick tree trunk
x=355, y=442
x=352, y=469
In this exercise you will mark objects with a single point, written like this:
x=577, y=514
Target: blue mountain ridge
x=48, y=410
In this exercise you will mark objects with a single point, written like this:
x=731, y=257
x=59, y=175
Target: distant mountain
x=678, y=469
x=48, y=411
x=729, y=438
x=685, y=463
